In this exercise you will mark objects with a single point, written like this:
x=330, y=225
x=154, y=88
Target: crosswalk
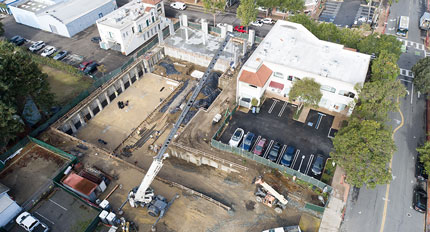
x=408, y=43
x=406, y=73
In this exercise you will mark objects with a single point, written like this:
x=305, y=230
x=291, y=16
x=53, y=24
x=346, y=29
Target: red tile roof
x=276, y=85
x=147, y=9
x=80, y=184
x=259, y=78
x=152, y=2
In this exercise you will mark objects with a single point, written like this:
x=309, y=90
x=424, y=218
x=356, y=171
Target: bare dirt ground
x=30, y=170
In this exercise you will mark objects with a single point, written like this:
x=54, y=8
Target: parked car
x=236, y=137
x=247, y=141
x=17, y=40
x=318, y=165
x=288, y=156
x=61, y=55
x=268, y=21
x=420, y=172
x=257, y=23
x=30, y=223
x=259, y=148
x=240, y=29
x=96, y=39
x=49, y=50
x=36, y=46
x=84, y=65
x=221, y=25
x=274, y=152
x=260, y=8
x=91, y=68
x=419, y=201
x=178, y=5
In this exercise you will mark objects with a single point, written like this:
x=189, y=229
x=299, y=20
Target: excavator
x=144, y=195
x=269, y=196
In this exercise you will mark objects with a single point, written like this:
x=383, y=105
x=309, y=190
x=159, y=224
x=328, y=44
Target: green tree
x=269, y=4
x=364, y=149
x=385, y=67
x=307, y=92
x=376, y=43
x=20, y=78
x=421, y=71
x=377, y=98
x=213, y=7
x=247, y=12
x=425, y=156
x=292, y=5
x=102, y=68
x=328, y=32
x=306, y=21
x=350, y=37
x=1, y=29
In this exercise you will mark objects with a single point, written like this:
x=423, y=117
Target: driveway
x=274, y=122
x=79, y=44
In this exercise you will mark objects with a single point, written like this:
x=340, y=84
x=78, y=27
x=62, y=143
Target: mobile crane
x=269, y=196
x=144, y=195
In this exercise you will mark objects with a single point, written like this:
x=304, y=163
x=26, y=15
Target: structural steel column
x=122, y=85
x=81, y=119
x=107, y=97
x=99, y=104
x=72, y=126
x=91, y=111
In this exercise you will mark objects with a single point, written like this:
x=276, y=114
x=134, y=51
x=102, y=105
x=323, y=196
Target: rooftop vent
x=326, y=48
x=324, y=72
x=294, y=59
x=289, y=27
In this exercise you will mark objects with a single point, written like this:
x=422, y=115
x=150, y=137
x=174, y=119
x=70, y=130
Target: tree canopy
x=213, y=7
x=377, y=43
x=247, y=12
x=421, y=71
x=385, y=66
x=363, y=149
x=425, y=156
x=306, y=91
x=20, y=78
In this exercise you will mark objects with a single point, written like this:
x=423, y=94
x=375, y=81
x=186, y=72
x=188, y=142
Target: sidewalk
x=384, y=11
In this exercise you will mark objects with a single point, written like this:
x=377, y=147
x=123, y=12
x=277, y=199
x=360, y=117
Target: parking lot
x=275, y=124
x=62, y=212
x=80, y=47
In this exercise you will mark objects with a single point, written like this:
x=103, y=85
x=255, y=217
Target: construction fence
x=217, y=30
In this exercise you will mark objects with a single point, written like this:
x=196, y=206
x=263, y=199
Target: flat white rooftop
x=69, y=10
x=292, y=45
x=125, y=15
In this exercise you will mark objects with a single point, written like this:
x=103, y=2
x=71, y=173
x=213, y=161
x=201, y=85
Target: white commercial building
x=62, y=17
x=290, y=52
x=132, y=25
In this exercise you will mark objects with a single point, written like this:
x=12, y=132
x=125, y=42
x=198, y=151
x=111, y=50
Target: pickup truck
x=30, y=223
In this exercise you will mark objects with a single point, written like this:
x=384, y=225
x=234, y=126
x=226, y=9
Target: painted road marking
x=40, y=215
x=281, y=153
x=308, y=166
x=320, y=116
x=295, y=158
x=406, y=73
x=64, y=208
x=282, y=110
x=387, y=191
x=272, y=106
x=408, y=43
x=268, y=149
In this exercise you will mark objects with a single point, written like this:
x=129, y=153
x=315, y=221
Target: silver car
x=36, y=46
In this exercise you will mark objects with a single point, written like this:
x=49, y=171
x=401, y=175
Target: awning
x=276, y=85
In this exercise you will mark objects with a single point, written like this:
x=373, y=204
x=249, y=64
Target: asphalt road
x=365, y=208
x=195, y=14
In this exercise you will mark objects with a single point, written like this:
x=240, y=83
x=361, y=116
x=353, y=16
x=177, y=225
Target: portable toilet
x=105, y=205
x=111, y=218
x=103, y=216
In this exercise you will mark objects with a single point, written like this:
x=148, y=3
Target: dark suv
x=274, y=152
x=419, y=202
x=288, y=156
x=420, y=172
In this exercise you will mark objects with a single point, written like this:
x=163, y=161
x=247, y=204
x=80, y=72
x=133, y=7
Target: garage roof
x=258, y=78
x=80, y=184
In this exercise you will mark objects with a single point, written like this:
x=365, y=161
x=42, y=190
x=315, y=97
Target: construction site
x=149, y=131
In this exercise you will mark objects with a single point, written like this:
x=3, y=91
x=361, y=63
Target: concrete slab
x=113, y=125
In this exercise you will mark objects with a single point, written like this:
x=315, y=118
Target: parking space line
x=282, y=110
x=64, y=208
x=256, y=142
x=273, y=105
x=281, y=153
x=268, y=148
x=320, y=116
x=308, y=166
x=295, y=158
x=40, y=215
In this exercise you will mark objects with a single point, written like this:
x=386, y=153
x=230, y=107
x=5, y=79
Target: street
x=389, y=208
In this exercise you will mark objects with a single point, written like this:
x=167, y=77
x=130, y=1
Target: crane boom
x=272, y=191
x=141, y=192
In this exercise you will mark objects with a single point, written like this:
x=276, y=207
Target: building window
x=290, y=78
x=100, y=15
x=346, y=93
x=159, y=28
x=147, y=34
x=328, y=88
x=140, y=28
x=147, y=23
x=123, y=35
x=132, y=29
x=110, y=34
x=153, y=19
x=253, y=86
x=278, y=74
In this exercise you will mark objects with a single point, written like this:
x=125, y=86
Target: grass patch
x=327, y=176
x=65, y=86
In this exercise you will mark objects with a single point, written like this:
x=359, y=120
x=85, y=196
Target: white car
x=268, y=21
x=260, y=8
x=221, y=25
x=257, y=23
x=178, y=5
x=236, y=137
x=49, y=50
x=30, y=223
x=37, y=46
